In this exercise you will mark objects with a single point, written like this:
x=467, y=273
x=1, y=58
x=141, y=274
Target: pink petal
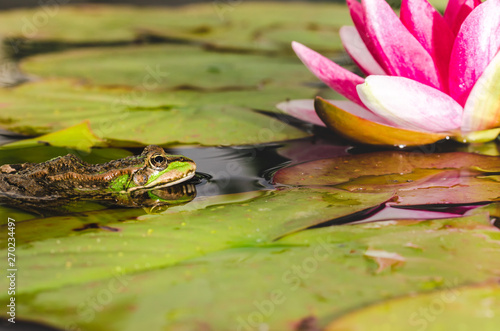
x=456, y=12
x=395, y=48
x=477, y=43
x=302, y=109
x=409, y=104
x=367, y=132
x=358, y=15
x=356, y=48
x=431, y=30
x=482, y=109
x=339, y=79
x=359, y=111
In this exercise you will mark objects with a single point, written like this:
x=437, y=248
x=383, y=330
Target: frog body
x=69, y=178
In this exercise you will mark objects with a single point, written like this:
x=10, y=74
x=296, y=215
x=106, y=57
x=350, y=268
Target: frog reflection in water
x=145, y=180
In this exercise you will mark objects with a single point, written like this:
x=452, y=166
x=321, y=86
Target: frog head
x=160, y=169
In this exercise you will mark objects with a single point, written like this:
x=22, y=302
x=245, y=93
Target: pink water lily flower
x=429, y=76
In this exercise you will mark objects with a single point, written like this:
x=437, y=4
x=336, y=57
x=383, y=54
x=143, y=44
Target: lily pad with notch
x=179, y=233
x=162, y=118
x=325, y=270
x=175, y=67
x=79, y=137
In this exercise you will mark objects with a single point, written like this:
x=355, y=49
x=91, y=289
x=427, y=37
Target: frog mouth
x=154, y=185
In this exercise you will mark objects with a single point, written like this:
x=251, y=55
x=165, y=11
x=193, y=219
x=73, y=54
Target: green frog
x=126, y=182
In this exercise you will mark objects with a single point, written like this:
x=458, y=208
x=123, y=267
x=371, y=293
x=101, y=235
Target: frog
x=119, y=182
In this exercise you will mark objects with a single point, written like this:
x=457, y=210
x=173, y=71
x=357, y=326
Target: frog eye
x=158, y=161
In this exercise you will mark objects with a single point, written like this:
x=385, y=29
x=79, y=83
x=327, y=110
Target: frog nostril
x=140, y=179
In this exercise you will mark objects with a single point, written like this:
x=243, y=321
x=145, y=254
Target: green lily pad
x=321, y=272
x=171, y=66
x=18, y=215
x=487, y=170
x=209, y=99
x=79, y=137
x=440, y=5
x=177, y=234
x=206, y=97
x=124, y=117
x=490, y=148
x=492, y=209
x=223, y=25
x=462, y=308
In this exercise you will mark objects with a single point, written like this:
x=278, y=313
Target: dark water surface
x=225, y=170
x=237, y=169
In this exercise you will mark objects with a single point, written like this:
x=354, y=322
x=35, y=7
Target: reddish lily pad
x=418, y=179
x=465, y=190
x=337, y=170
x=307, y=150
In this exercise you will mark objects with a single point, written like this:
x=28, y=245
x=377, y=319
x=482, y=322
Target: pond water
x=221, y=170
x=238, y=169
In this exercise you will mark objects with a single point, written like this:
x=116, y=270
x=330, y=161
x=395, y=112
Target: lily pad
x=466, y=308
x=18, y=215
x=490, y=148
x=189, y=232
x=125, y=117
x=171, y=67
x=321, y=272
x=418, y=179
x=463, y=190
x=235, y=25
x=337, y=170
x=79, y=137
x=493, y=209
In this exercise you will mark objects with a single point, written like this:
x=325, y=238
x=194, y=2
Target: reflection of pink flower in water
x=428, y=76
